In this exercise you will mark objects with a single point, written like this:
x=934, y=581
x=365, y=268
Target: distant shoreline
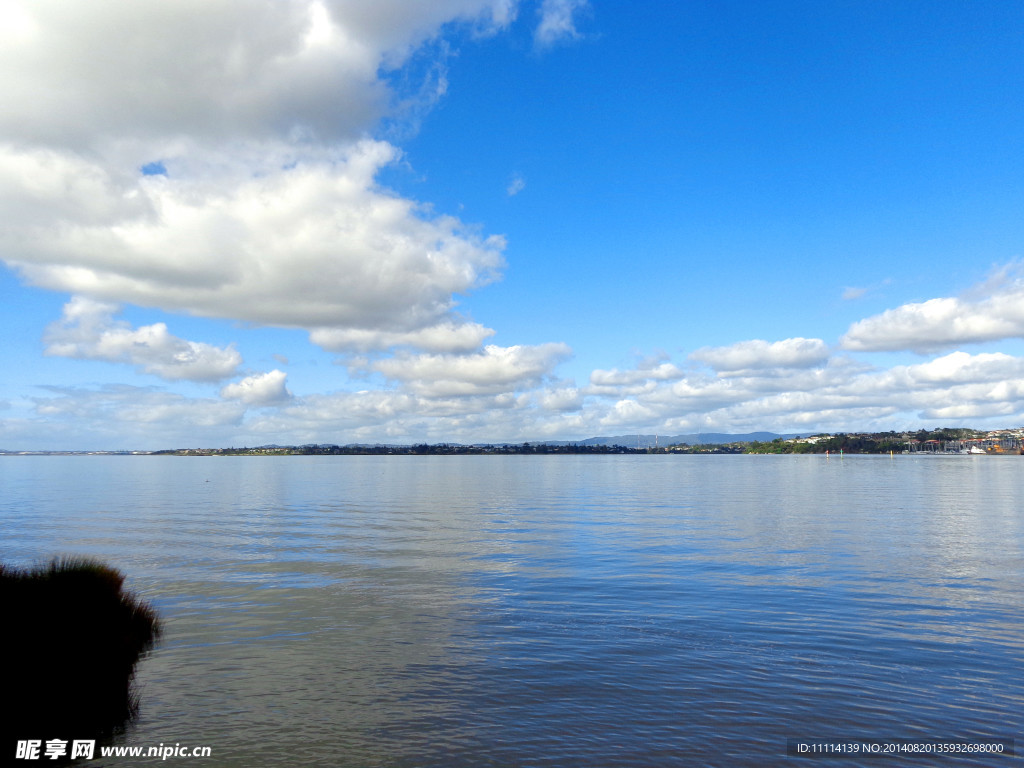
x=940, y=441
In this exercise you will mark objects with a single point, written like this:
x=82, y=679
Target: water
x=552, y=611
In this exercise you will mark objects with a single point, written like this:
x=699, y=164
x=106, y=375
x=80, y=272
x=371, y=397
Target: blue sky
x=239, y=223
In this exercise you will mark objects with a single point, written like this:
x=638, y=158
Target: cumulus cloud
x=266, y=208
x=963, y=368
x=558, y=21
x=843, y=394
x=634, y=380
x=449, y=336
x=840, y=394
x=492, y=371
x=757, y=354
x=562, y=399
x=260, y=389
x=217, y=158
x=88, y=330
x=628, y=412
x=945, y=322
x=314, y=245
x=507, y=395
x=213, y=69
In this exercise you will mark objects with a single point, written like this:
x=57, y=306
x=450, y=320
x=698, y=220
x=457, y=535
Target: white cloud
x=942, y=323
x=516, y=185
x=852, y=294
x=760, y=355
x=260, y=389
x=839, y=395
x=398, y=416
x=89, y=331
x=562, y=399
x=269, y=210
x=315, y=245
x=493, y=371
x=73, y=74
x=634, y=380
x=558, y=21
x=505, y=394
x=628, y=412
x=449, y=336
x=962, y=368
x=227, y=68
x=124, y=417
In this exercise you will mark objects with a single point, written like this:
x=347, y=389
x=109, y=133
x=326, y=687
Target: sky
x=250, y=222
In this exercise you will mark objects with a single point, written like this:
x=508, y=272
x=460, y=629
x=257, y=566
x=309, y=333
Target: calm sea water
x=555, y=611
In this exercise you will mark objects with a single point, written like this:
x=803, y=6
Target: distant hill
x=704, y=438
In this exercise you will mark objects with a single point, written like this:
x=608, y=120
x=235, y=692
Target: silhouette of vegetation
x=72, y=636
x=419, y=449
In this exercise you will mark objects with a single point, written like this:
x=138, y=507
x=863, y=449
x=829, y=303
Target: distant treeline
x=703, y=448
x=421, y=449
x=877, y=442
x=834, y=444
x=860, y=442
